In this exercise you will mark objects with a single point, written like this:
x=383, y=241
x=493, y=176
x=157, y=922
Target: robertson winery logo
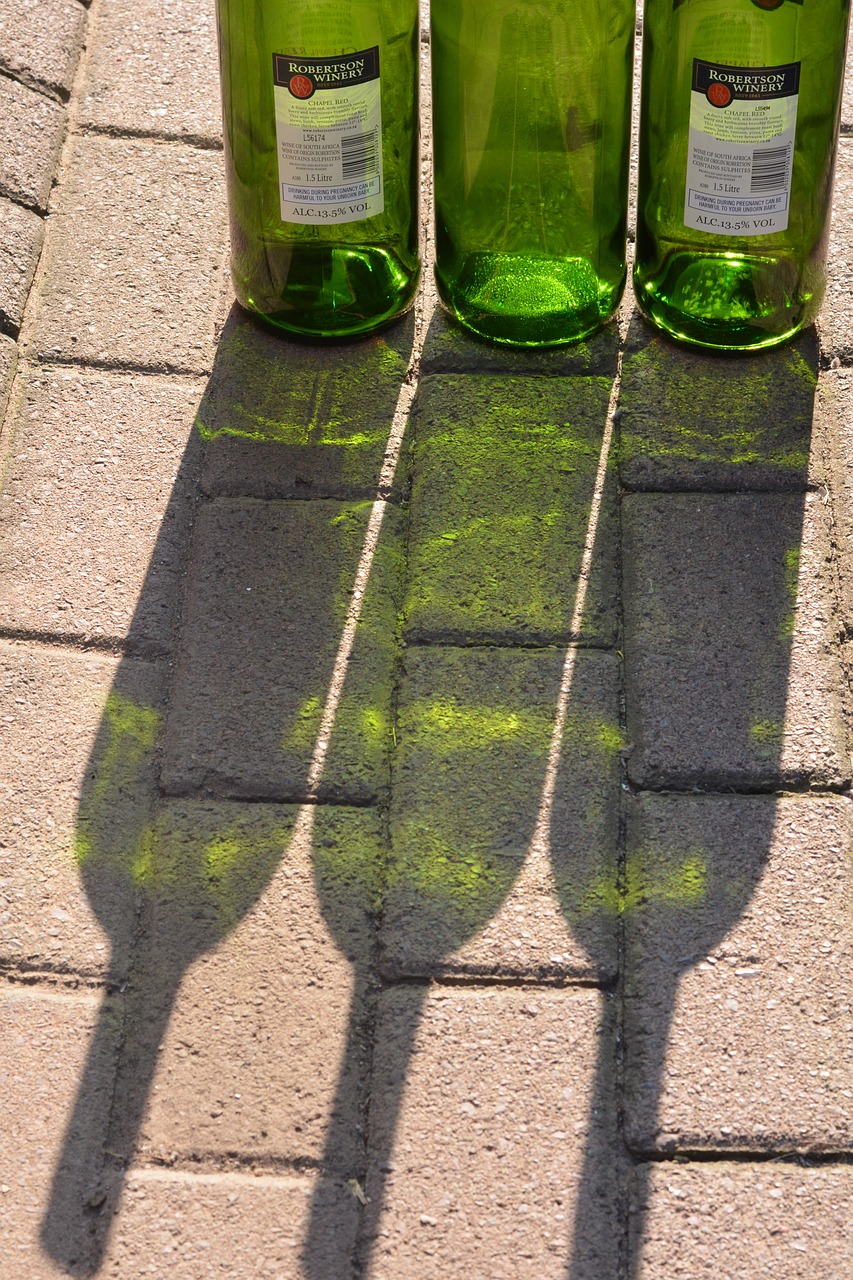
x=302, y=77
x=723, y=85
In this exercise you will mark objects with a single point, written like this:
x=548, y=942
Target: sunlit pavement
x=426, y=818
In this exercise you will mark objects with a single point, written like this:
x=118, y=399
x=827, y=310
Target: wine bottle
x=320, y=112
x=738, y=130
x=531, y=111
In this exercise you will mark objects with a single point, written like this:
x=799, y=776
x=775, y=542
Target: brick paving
x=425, y=836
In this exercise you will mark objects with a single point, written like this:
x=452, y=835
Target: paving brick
x=200, y=1226
x=76, y=733
x=286, y=420
x=31, y=132
x=448, y=348
x=260, y=934
x=96, y=508
x=503, y=480
x=51, y=1156
x=40, y=41
x=21, y=235
x=836, y=316
x=269, y=587
x=525, y=1175
x=468, y=891
x=8, y=364
x=738, y=974
x=134, y=258
x=762, y=1219
x=732, y=677
x=688, y=420
x=153, y=69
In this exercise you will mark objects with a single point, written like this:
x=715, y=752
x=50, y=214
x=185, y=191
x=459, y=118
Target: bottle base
x=725, y=301
x=327, y=292
x=523, y=301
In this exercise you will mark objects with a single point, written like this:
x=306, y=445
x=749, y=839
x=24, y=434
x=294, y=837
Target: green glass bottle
x=531, y=110
x=738, y=131
x=320, y=112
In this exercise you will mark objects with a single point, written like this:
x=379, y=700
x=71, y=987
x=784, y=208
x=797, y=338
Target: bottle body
x=531, y=114
x=320, y=114
x=738, y=131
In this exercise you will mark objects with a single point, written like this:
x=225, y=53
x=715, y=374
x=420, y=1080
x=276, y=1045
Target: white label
x=743, y=122
x=328, y=123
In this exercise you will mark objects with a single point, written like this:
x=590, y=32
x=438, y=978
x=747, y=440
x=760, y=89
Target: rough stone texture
x=21, y=235
x=210, y=1225
x=46, y=1048
x=286, y=420
x=522, y=1179
x=743, y=1221
x=688, y=420
x=732, y=680
x=836, y=407
x=96, y=507
x=76, y=737
x=154, y=70
x=847, y=100
x=8, y=364
x=503, y=482
x=134, y=259
x=448, y=348
x=260, y=934
x=40, y=41
x=269, y=586
x=836, y=316
x=738, y=971
x=31, y=132
x=471, y=887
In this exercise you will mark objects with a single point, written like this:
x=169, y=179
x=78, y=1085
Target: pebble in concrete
x=270, y=584
x=760, y=1219
x=525, y=1175
x=200, y=1225
x=260, y=932
x=153, y=70
x=52, y=1150
x=96, y=507
x=502, y=498
x=21, y=236
x=470, y=891
x=31, y=132
x=134, y=258
x=738, y=974
x=694, y=421
x=40, y=41
x=286, y=420
x=732, y=679
x=78, y=735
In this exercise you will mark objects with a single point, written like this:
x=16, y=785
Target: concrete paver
x=76, y=737
x=8, y=364
x=154, y=70
x=738, y=974
x=836, y=396
x=96, y=508
x=689, y=420
x=504, y=476
x=31, y=131
x=449, y=349
x=754, y=1220
x=732, y=677
x=40, y=41
x=295, y=421
x=45, y=1041
x=21, y=236
x=526, y=1174
x=469, y=891
x=133, y=266
x=260, y=935
x=259, y=647
x=836, y=317
x=184, y=1225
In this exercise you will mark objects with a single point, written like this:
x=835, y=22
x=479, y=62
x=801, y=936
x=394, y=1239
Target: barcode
x=359, y=158
x=770, y=170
